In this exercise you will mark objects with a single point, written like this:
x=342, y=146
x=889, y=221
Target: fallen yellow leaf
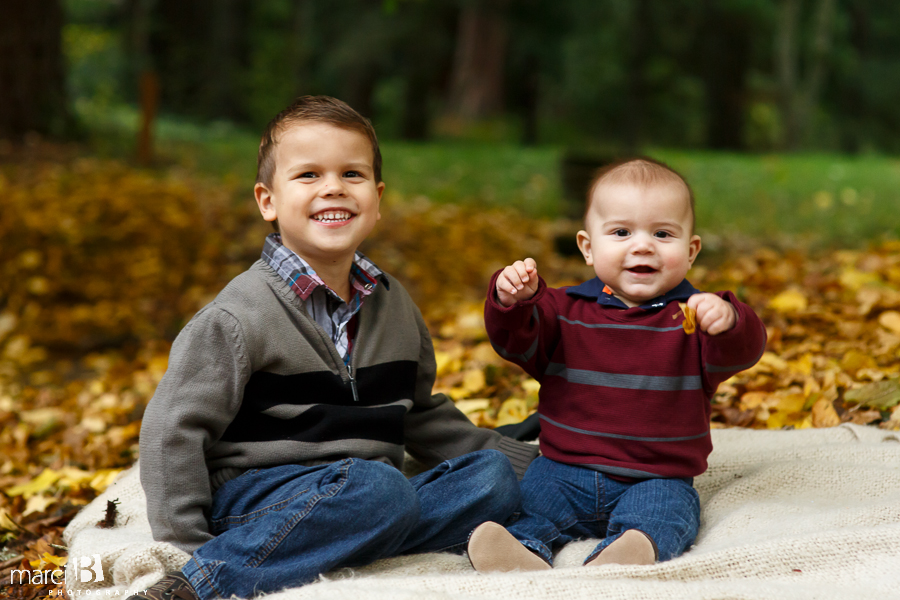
x=789, y=301
x=6, y=522
x=39, y=484
x=853, y=279
x=37, y=504
x=103, y=478
x=890, y=320
x=473, y=381
x=824, y=415
x=513, y=410
x=854, y=360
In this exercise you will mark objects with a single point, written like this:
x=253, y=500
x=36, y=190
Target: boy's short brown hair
x=641, y=171
x=313, y=109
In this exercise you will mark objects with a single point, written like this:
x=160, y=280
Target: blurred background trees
x=612, y=75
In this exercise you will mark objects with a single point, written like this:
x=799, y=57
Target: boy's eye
x=353, y=174
x=307, y=175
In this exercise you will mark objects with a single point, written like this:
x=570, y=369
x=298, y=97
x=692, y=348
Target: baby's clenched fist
x=518, y=281
x=714, y=315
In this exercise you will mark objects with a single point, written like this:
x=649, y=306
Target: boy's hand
x=714, y=315
x=518, y=281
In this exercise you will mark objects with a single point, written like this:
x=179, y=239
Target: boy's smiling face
x=323, y=192
x=639, y=239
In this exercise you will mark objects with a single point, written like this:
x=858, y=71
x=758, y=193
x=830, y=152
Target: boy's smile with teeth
x=333, y=216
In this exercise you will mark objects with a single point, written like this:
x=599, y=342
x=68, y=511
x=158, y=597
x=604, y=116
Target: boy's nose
x=333, y=186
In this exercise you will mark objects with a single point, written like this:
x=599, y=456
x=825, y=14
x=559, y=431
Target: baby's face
x=639, y=239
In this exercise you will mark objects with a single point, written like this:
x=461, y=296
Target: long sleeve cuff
x=520, y=454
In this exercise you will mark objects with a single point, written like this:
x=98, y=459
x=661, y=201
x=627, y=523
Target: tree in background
x=32, y=79
x=607, y=75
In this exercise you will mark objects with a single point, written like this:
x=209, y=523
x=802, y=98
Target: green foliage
x=618, y=74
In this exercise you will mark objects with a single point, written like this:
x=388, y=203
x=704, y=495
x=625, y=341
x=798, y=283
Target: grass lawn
x=818, y=199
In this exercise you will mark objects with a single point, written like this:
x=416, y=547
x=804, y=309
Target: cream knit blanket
x=813, y=513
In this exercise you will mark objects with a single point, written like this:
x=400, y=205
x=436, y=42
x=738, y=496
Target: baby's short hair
x=312, y=109
x=640, y=171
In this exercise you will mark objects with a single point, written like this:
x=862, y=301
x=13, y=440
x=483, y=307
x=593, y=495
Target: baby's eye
x=620, y=232
x=662, y=234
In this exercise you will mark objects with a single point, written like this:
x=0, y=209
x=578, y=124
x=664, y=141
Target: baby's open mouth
x=642, y=269
x=332, y=216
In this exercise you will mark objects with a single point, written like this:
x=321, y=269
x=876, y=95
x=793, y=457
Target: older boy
x=625, y=390
x=271, y=448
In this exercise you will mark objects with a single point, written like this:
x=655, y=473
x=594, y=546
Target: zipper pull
x=353, y=383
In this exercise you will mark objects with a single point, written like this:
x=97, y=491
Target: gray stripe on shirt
x=617, y=325
x=619, y=436
x=656, y=383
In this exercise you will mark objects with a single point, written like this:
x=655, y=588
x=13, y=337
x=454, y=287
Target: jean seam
x=267, y=550
x=256, y=514
x=206, y=576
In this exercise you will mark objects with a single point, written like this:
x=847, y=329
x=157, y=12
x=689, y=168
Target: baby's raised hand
x=714, y=315
x=518, y=281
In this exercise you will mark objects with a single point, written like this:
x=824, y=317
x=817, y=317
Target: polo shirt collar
x=596, y=290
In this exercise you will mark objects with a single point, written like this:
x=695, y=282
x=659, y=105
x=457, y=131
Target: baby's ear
x=694, y=248
x=583, y=239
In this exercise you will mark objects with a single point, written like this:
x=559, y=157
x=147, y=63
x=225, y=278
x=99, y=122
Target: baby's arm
x=517, y=282
x=715, y=315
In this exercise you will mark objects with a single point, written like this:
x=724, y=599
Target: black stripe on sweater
x=379, y=384
x=322, y=424
x=337, y=415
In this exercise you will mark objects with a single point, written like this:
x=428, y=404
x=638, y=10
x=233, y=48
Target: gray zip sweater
x=254, y=382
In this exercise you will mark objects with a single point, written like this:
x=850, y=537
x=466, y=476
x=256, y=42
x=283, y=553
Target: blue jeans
x=283, y=526
x=562, y=503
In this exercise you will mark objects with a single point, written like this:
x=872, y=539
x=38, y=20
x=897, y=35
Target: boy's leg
x=285, y=525
x=458, y=495
x=667, y=511
x=560, y=503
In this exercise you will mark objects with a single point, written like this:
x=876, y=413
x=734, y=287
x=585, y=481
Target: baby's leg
x=283, y=526
x=559, y=504
x=663, y=512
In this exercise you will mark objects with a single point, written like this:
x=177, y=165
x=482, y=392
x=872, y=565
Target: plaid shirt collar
x=298, y=274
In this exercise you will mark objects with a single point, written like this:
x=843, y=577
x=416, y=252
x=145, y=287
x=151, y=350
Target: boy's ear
x=380, y=189
x=694, y=248
x=264, y=200
x=583, y=239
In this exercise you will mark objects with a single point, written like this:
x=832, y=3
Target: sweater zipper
x=352, y=383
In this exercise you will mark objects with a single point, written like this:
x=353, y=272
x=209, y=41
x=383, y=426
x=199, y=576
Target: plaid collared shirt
x=322, y=303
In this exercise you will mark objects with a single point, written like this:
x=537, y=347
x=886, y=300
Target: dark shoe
x=174, y=586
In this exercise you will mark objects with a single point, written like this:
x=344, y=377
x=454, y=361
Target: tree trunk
x=786, y=51
x=726, y=57
x=798, y=98
x=635, y=82
x=477, y=79
x=32, y=77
